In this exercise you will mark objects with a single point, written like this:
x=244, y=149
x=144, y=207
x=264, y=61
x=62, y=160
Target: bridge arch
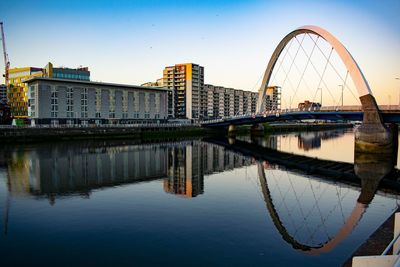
x=355, y=72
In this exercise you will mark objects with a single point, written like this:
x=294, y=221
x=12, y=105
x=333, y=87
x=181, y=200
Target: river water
x=181, y=203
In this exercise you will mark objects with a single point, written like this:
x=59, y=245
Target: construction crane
x=6, y=61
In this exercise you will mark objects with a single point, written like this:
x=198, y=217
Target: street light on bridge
x=397, y=78
x=321, y=96
x=341, y=85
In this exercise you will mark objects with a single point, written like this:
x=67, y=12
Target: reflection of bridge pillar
x=372, y=136
x=231, y=141
x=232, y=130
x=257, y=130
x=371, y=168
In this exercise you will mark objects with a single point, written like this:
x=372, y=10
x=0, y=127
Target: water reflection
x=309, y=227
x=312, y=140
x=313, y=204
x=65, y=169
x=306, y=141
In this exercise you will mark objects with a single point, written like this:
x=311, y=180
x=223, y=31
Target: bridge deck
x=389, y=116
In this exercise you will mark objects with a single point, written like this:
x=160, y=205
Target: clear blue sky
x=132, y=41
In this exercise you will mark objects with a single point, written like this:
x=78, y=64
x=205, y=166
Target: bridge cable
x=297, y=199
x=283, y=200
x=304, y=71
x=305, y=82
x=283, y=59
x=318, y=209
x=337, y=72
x=288, y=79
x=286, y=76
x=298, y=70
x=315, y=69
x=345, y=85
x=320, y=81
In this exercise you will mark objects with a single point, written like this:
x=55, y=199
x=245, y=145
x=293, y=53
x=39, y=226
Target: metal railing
x=391, y=246
x=386, y=259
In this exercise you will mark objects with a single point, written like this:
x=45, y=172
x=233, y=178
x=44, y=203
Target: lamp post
x=320, y=102
x=341, y=85
x=397, y=78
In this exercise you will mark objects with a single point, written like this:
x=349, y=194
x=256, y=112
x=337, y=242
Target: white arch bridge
x=368, y=112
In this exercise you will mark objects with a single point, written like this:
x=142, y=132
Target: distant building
x=81, y=73
x=307, y=105
x=192, y=99
x=160, y=84
x=187, y=82
x=273, y=98
x=61, y=101
x=157, y=84
x=18, y=89
x=225, y=102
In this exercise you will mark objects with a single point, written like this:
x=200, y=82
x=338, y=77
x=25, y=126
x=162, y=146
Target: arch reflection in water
x=306, y=223
x=298, y=204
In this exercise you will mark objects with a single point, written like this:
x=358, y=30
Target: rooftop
x=94, y=83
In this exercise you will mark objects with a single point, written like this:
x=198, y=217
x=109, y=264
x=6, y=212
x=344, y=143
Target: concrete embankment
x=36, y=134
x=40, y=134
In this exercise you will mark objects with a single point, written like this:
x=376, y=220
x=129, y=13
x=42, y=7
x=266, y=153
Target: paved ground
x=377, y=242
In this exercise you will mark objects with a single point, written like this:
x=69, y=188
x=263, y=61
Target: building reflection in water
x=305, y=140
x=77, y=169
x=312, y=140
x=187, y=165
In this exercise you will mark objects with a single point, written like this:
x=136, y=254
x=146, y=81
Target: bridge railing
x=347, y=108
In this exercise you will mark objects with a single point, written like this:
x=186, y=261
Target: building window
x=97, y=103
x=146, y=102
x=84, y=106
x=136, y=101
x=158, y=103
x=54, y=102
x=70, y=102
x=112, y=104
x=125, y=104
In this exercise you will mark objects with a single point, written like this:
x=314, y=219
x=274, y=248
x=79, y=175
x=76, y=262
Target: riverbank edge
x=377, y=242
x=28, y=134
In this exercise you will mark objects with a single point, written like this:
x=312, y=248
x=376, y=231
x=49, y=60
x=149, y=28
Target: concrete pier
x=373, y=136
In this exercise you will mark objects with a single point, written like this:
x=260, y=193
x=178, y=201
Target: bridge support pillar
x=232, y=130
x=257, y=130
x=372, y=136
